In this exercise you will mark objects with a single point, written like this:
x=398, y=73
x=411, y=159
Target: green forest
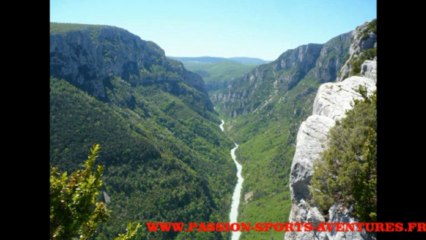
x=163, y=154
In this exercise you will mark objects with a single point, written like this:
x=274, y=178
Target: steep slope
x=264, y=109
x=90, y=57
x=330, y=105
x=165, y=157
x=363, y=47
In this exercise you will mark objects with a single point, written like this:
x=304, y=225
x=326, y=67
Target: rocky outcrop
x=311, y=141
x=332, y=101
x=330, y=104
x=369, y=69
x=89, y=56
x=363, y=38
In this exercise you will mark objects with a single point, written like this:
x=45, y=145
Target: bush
x=346, y=172
x=368, y=54
x=74, y=209
x=371, y=27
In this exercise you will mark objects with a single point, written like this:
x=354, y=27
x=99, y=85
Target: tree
x=74, y=209
x=131, y=231
x=346, y=173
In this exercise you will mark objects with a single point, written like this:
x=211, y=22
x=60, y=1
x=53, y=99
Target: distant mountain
x=200, y=59
x=248, y=60
x=219, y=72
x=242, y=60
x=164, y=155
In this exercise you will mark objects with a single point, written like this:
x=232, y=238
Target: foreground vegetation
x=347, y=170
x=75, y=212
x=157, y=168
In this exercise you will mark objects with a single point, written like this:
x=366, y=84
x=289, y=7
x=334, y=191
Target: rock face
x=90, y=56
x=334, y=99
x=369, y=69
x=256, y=89
x=363, y=38
x=331, y=103
x=311, y=140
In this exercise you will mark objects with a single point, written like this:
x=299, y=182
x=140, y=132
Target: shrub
x=346, y=172
x=74, y=209
x=356, y=63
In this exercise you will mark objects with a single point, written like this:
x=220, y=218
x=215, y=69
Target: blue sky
x=222, y=28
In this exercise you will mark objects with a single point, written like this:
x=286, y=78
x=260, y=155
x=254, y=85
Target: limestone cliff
x=330, y=104
x=267, y=83
x=363, y=38
x=91, y=56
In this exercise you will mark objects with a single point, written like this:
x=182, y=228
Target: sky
x=222, y=28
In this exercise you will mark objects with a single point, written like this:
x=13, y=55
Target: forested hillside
x=164, y=155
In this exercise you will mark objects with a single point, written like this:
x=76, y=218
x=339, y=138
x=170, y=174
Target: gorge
x=164, y=156
x=265, y=107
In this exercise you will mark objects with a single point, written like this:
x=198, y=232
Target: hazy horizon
x=200, y=28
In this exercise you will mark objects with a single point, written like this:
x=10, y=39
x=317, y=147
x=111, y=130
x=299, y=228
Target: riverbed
x=236, y=196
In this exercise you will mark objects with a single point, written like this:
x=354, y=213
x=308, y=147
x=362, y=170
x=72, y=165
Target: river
x=236, y=196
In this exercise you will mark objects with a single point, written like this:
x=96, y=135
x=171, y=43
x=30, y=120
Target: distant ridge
x=249, y=60
x=217, y=72
x=207, y=59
